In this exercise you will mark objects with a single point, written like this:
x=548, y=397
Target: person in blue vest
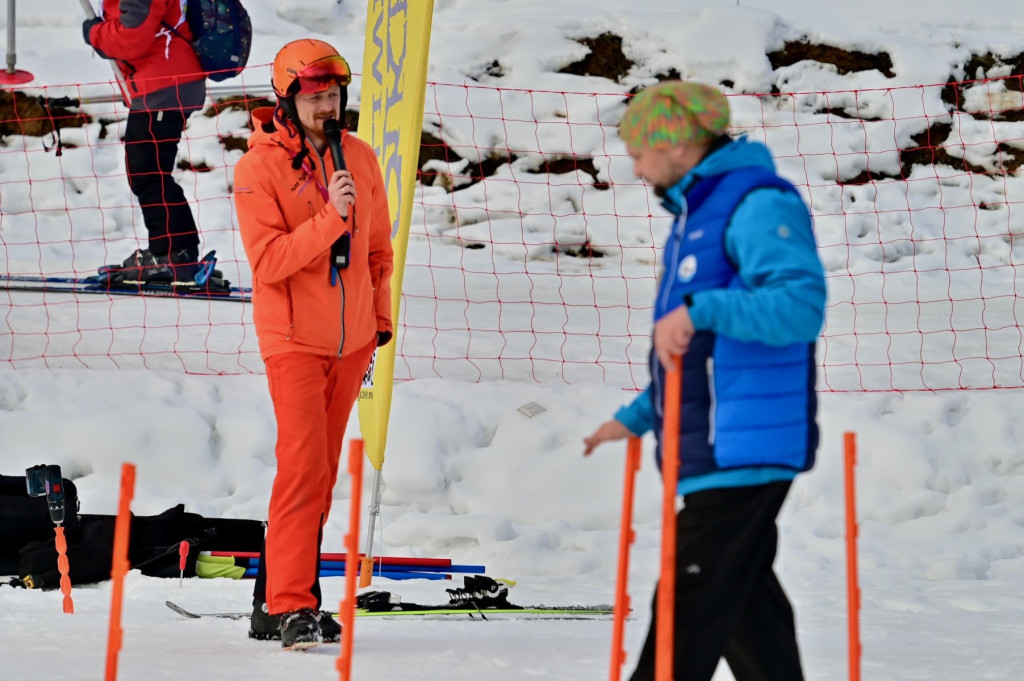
x=741, y=299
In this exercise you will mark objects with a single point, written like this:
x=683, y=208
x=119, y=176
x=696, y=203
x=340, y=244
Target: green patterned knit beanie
x=674, y=112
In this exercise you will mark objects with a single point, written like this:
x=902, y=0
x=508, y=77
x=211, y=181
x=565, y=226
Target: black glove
x=87, y=28
x=383, y=337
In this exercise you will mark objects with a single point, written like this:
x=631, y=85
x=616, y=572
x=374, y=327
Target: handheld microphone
x=342, y=246
x=332, y=131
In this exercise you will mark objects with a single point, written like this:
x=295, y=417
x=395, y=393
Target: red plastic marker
x=183, y=558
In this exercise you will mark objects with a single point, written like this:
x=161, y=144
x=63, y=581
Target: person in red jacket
x=150, y=42
x=318, y=319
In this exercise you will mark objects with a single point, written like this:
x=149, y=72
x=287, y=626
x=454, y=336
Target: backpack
x=221, y=36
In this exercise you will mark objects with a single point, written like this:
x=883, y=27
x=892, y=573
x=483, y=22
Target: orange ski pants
x=313, y=397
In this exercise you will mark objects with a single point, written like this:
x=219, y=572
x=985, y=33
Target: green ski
x=544, y=612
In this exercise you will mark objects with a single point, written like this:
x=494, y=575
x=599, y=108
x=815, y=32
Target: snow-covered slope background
x=91, y=384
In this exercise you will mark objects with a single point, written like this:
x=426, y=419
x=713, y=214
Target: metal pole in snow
x=12, y=76
x=366, y=574
x=11, y=53
x=91, y=14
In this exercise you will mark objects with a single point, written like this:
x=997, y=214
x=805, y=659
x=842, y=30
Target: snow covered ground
x=941, y=474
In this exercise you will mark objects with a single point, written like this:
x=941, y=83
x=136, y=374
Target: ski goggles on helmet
x=321, y=74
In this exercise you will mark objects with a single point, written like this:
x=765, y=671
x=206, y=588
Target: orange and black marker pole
x=664, y=642
x=347, y=610
x=120, y=567
x=852, y=586
x=626, y=538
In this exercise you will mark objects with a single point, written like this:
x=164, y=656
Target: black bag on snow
x=90, y=551
x=24, y=519
x=152, y=546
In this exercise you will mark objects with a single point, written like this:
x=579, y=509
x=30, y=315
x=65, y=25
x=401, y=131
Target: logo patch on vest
x=687, y=268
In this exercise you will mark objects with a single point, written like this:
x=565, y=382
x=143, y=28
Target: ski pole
x=341, y=557
x=13, y=75
x=12, y=53
x=126, y=98
x=663, y=663
x=626, y=538
x=366, y=576
x=852, y=587
x=214, y=93
x=120, y=567
x=391, y=575
x=378, y=569
x=387, y=574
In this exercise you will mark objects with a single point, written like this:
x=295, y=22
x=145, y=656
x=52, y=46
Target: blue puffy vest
x=743, y=403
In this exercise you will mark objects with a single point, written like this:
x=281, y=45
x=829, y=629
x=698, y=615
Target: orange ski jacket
x=287, y=227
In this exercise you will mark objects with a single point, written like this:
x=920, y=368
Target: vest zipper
x=675, y=242
x=712, y=399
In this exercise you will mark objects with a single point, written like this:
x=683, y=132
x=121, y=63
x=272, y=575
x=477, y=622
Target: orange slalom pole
x=347, y=610
x=626, y=537
x=63, y=567
x=119, y=567
x=852, y=587
x=664, y=642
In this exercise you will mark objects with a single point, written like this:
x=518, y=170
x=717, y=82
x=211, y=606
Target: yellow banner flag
x=391, y=121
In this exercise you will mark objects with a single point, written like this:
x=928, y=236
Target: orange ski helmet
x=308, y=66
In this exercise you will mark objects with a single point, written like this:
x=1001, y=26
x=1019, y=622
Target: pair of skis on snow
x=207, y=285
x=480, y=598
x=445, y=611
x=542, y=612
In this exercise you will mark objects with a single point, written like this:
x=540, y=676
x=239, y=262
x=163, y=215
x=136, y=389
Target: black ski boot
x=378, y=601
x=480, y=591
x=300, y=629
x=330, y=628
x=184, y=264
x=181, y=270
x=139, y=268
x=262, y=625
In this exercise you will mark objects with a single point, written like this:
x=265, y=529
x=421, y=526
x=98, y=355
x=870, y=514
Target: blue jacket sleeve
x=638, y=415
x=782, y=299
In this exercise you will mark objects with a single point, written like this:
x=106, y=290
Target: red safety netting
x=533, y=249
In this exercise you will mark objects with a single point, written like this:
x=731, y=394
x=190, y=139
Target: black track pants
x=150, y=145
x=729, y=603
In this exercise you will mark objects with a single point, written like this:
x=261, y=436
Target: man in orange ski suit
x=317, y=323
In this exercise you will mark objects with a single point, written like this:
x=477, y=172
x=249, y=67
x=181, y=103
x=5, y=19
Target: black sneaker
x=262, y=625
x=330, y=628
x=300, y=629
